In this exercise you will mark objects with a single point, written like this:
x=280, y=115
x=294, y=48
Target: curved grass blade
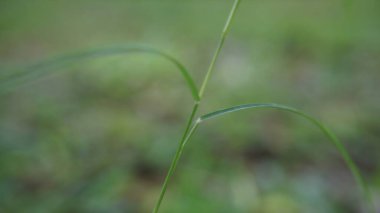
x=337, y=143
x=13, y=80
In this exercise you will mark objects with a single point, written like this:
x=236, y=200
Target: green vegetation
x=108, y=176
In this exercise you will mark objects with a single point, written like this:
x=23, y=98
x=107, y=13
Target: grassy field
x=99, y=135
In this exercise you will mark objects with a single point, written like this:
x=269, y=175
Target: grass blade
x=337, y=143
x=18, y=77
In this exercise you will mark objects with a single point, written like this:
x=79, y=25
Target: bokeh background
x=99, y=136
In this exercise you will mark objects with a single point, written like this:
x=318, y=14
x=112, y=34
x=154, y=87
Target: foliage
x=10, y=81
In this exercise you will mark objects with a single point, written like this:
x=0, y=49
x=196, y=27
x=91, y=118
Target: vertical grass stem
x=219, y=48
x=185, y=137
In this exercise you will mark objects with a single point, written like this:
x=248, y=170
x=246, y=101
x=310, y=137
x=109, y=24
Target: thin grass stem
x=190, y=130
x=219, y=48
x=181, y=145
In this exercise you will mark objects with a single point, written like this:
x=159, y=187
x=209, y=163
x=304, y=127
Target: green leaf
x=335, y=141
x=19, y=77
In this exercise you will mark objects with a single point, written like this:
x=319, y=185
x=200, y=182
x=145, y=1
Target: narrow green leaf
x=336, y=142
x=21, y=76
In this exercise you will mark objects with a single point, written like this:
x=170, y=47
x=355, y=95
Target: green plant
x=7, y=82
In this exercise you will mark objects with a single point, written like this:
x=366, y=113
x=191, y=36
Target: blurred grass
x=100, y=137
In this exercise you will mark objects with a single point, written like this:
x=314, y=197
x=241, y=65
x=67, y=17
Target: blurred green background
x=100, y=136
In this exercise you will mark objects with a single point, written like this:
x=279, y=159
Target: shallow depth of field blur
x=99, y=136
